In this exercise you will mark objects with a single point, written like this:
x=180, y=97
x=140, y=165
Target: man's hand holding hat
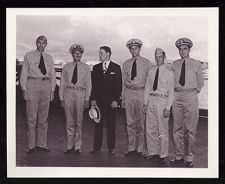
x=94, y=112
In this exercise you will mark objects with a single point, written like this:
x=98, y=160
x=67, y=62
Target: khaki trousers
x=157, y=127
x=37, y=108
x=185, y=114
x=74, y=107
x=135, y=119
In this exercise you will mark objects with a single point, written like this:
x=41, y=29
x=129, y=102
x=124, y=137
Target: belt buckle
x=178, y=89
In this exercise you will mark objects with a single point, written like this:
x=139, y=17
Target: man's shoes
x=189, y=164
x=175, y=162
x=44, y=149
x=111, y=152
x=148, y=157
x=30, y=151
x=139, y=154
x=77, y=152
x=130, y=153
x=162, y=161
x=94, y=151
x=67, y=151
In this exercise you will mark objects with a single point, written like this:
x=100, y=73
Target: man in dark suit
x=106, y=92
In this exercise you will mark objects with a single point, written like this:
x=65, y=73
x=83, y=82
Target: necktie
x=41, y=65
x=134, y=70
x=104, y=67
x=182, y=74
x=74, y=78
x=155, y=84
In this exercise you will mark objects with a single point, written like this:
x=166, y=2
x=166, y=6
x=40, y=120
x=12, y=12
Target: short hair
x=107, y=49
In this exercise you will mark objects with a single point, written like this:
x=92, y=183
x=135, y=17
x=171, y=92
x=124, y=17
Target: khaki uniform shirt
x=143, y=67
x=30, y=68
x=83, y=78
x=193, y=73
x=165, y=84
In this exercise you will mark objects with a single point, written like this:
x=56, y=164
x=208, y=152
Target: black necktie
x=41, y=65
x=155, y=84
x=182, y=74
x=74, y=78
x=134, y=70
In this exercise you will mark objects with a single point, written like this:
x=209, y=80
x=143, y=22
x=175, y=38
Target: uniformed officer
x=38, y=85
x=135, y=71
x=188, y=83
x=74, y=93
x=158, y=99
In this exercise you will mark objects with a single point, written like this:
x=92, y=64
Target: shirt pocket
x=127, y=73
x=142, y=73
x=81, y=75
x=163, y=83
x=163, y=80
x=33, y=64
x=190, y=77
x=48, y=65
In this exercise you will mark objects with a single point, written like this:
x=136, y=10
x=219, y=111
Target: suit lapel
x=100, y=68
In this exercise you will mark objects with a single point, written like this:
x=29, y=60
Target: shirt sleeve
x=88, y=84
x=93, y=80
x=147, y=89
x=171, y=91
x=53, y=76
x=62, y=84
x=150, y=65
x=24, y=73
x=123, y=83
x=118, y=84
x=200, y=78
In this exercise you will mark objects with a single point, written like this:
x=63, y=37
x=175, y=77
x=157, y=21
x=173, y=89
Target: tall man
x=188, y=82
x=135, y=71
x=74, y=93
x=158, y=99
x=106, y=93
x=38, y=85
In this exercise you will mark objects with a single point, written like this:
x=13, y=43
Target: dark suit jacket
x=106, y=86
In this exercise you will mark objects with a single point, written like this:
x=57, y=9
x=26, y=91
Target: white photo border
x=87, y=172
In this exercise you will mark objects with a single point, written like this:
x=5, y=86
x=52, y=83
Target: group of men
x=147, y=93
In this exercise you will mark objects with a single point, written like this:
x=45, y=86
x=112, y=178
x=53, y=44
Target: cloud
x=114, y=31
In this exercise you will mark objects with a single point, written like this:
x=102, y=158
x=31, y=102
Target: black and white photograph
x=109, y=92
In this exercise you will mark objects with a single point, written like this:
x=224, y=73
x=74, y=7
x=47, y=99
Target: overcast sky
x=114, y=31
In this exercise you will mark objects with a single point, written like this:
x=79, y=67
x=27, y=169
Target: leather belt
x=157, y=94
x=39, y=78
x=184, y=89
x=75, y=88
x=135, y=88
